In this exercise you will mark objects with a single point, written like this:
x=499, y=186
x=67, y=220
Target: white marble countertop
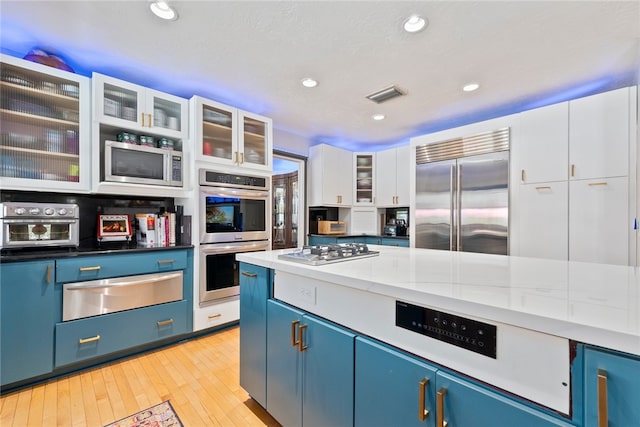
x=597, y=304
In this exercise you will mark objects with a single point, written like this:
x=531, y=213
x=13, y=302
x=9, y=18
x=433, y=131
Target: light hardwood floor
x=200, y=377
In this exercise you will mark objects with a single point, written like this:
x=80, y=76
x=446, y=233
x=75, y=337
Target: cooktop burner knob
x=49, y=211
x=20, y=211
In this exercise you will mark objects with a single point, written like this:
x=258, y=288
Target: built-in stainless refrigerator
x=462, y=194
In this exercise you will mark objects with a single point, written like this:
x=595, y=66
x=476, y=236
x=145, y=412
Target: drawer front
x=84, y=339
x=103, y=266
x=216, y=314
x=395, y=242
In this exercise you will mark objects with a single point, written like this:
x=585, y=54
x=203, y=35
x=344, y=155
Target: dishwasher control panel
x=469, y=334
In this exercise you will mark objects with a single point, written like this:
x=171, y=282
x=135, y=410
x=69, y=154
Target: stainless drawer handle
x=164, y=322
x=246, y=273
x=166, y=261
x=88, y=340
x=95, y=268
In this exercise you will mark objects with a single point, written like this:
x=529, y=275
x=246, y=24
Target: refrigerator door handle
x=452, y=210
x=459, y=208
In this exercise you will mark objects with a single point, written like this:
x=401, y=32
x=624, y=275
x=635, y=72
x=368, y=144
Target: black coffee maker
x=401, y=227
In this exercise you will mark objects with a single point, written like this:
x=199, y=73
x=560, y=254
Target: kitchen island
x=552, y=322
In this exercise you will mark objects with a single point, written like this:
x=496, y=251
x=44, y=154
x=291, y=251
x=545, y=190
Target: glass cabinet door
x=168, y=114
x=41, y=133
x=285, y=210
x=119, y=103
x=255, y=141
x=218, y=134
x=364, y=179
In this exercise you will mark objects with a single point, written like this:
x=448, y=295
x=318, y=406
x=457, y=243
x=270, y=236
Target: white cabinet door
x=599, y=225
x=544, y=144
x=599, y=135
x=169, y=114
x=330, y=176
x=363, y=221
x=403, y=175
x=364, y=170
x=392, y=176
x=255, y=141
x=544, y=213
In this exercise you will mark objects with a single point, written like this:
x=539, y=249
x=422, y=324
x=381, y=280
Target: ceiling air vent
x=385, y=94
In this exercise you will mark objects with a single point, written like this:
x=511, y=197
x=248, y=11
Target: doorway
x=288, y=192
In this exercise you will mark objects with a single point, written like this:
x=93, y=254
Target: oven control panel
x=469, y=334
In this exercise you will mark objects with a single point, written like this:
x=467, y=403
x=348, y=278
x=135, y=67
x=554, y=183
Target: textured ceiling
x=254, y=54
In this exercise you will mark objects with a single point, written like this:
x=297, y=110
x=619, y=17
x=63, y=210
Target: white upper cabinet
x=393, y=171
x=330, y=176
x=543, y=151
x=599, y=127
x=45, y=140
x=364, y=169
x=132, y=107
x=227, y=136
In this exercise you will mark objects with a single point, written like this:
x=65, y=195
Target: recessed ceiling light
x=470, y=87
x=162, y=10
x=378, y=117
x=414, y=23
x=309, y=82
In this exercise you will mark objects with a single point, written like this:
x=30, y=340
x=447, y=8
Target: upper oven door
x=232, y=215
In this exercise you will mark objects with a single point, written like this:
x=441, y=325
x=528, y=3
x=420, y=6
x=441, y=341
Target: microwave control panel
x=467, y=333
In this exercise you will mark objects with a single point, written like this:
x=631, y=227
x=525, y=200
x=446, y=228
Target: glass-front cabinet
x=285, y=210
x=231, y=137
x=364, y=164
x=45, y=133
x=133, y=107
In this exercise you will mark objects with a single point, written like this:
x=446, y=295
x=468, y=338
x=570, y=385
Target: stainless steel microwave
x=138, y=164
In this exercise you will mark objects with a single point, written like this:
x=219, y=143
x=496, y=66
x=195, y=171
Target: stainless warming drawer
x=95, y=297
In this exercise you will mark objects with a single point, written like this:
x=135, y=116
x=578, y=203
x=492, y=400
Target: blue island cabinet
x=394, y=388
x=26, y=319
x=310, y=372
x=255, y=283
x=612, y=389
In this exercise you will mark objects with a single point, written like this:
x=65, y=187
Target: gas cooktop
x=327, y=254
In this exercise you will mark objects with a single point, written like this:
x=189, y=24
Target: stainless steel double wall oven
x=234, y=217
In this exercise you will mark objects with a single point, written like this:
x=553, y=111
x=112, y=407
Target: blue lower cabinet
x=255, y=283
x=388, y=241
x=322, y=240
x=84, y=339
x=614, y=381
x=310, y=372
x=26, y=320
x=467, y=404
x=392, y=388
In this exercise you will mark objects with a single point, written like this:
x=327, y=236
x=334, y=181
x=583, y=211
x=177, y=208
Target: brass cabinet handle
x=215, y=316
x=543, y=188
x=422, y=391
x=48, y=274
x=597, y=184
x=88, y=340
x=246, y=273
x=522, y=176
x=301, y=346
x=242, y=158
x=150, y=120
x=164, y=322
x=440, y=422
x=142, y=114
x=294, y=341
x=166, y=261
x=95, y=268
x=236, y=157
x=603, y=417
x=573, y=170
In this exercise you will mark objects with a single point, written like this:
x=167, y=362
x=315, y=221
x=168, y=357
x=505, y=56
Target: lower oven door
x=219, y=270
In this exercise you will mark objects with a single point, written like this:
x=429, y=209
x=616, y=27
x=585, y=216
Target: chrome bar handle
x=95, y=268
x=459, y=209
x=165, y=261
x=451, y=208
x=164, y=322
x=88, y=340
